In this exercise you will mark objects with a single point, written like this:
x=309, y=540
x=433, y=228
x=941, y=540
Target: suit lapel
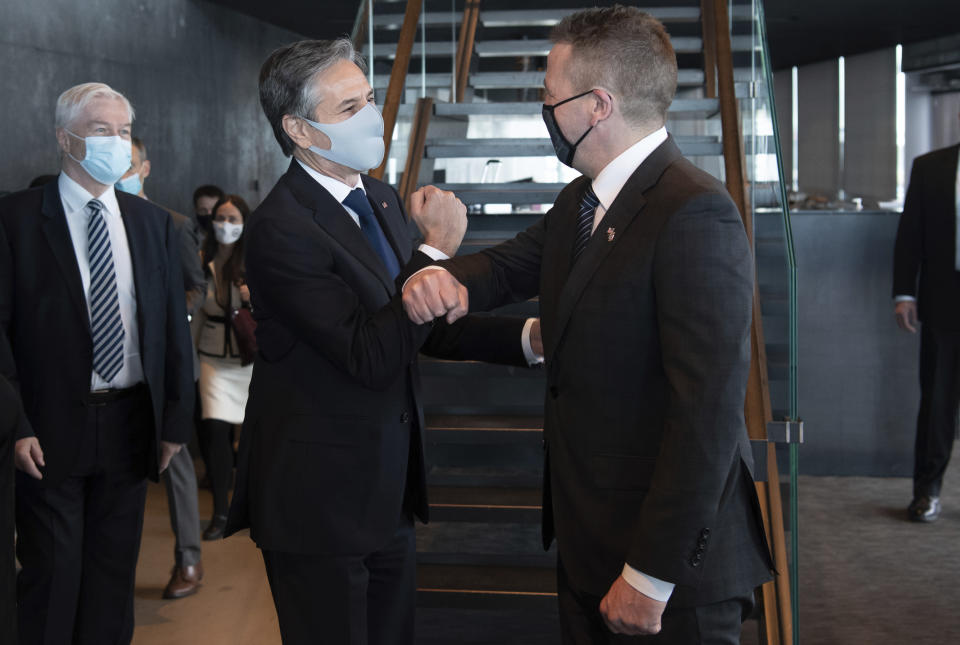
x=330, y=215
x=610, y=232
x=135, y=227
x=58, y=236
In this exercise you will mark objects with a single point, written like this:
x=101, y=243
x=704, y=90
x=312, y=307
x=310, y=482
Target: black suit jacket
x=332, y=444
x=11, y=420
x=647, y=354
x=926, y=240
x=46, y=349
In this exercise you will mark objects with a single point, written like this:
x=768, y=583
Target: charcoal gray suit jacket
x=647, y=349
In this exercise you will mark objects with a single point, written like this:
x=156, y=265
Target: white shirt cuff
x=648, y=585
x=899, y=299
x=434, y=254
x=532, y=357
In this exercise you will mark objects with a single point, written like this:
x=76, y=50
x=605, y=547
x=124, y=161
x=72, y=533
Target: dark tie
x=588, y=205
x=105, y=322
x=358, y=202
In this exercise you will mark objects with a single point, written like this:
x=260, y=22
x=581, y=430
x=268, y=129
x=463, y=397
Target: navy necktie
x=588, y=205
x=358, y=202
x=105, y=322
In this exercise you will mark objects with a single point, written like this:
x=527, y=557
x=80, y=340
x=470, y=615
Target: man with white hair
x=95, y=340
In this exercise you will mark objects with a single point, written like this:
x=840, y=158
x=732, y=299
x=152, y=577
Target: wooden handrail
x=398, y=78
x=709, y=49
x=465, y=44
x=777, y=617
x=416, y=147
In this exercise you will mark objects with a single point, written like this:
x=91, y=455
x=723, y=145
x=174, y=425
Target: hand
x=244, y=293
x=167, y=450
x=906, y=314
x=536, y=340
x=432, y=293
x=627, y=611
x=27, y=455
x=441, y=218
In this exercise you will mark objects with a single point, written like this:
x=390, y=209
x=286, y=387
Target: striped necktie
x=105, y=322
x=588, y=205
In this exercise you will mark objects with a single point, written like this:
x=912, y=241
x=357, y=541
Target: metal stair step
x=483, y=477
x=505, y=193
x=541, y=147
x=500, y=80
x=680, y=108
x=473, y=369
x=550, y=17
x=484, y=429
x=469, y=581
x=486, y=505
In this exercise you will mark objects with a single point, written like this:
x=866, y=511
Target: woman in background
x=224, y=381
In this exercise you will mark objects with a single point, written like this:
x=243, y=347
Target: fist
x=441, y=218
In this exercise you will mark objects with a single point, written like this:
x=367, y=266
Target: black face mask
x=205, y=221
x=564, y=149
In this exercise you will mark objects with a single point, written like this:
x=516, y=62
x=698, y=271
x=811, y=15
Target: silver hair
x=71, y=103
x=286, y=80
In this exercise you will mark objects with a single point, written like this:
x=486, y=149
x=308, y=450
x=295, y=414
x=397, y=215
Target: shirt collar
x=335, y=187
x=75, y=196
x=610, y=181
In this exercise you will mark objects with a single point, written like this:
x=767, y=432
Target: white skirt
x=224, y=385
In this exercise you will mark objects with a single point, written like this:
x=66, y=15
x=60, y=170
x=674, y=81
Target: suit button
x=405, y=417
x=700, y=550
x=705, y=532
x=554, y=391
x=695, y=562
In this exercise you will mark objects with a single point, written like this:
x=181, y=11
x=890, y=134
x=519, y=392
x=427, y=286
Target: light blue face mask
x=131, y=184
x=356, y=143
x=107, y=158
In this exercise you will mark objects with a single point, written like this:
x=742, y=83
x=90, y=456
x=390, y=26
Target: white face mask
x=356, y=143
x=106, y=159
x=227, y=233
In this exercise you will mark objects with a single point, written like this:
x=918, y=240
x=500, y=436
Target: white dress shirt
x=74, y=199
x=956, y=260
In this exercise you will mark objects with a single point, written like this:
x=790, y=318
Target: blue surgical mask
x=107, y=158
x=562, y=146
x=131, y=184
x=356, y=143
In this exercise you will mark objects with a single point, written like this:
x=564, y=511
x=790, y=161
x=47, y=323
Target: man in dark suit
x=331, y=465
x=180, y=478
x=12, y=422
x=95, y=339
x=927, y=246
x=645, y=280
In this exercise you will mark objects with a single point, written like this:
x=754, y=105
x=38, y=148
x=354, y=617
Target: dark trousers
x=180, y=480
x=78, y=540
x=716, y=624
x=937, y=419
x=219, y=437
x=347, y=600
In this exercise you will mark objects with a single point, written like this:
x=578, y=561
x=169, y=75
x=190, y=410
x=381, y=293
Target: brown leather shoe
x=184, y=581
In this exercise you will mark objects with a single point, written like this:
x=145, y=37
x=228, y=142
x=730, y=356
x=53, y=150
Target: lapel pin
x=383, y=204
x=611, y=233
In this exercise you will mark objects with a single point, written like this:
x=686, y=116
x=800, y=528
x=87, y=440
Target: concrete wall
x=189, y=68
x=857, y=372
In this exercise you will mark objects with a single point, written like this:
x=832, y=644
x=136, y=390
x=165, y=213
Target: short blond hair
x=72, y=102
x=627, y=50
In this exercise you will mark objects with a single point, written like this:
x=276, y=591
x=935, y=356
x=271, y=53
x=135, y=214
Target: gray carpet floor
x=870, y=576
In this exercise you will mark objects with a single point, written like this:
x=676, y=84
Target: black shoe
x=924, y=509
x=215, y=530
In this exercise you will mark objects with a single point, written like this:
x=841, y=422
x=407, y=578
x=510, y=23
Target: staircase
x=482, y=549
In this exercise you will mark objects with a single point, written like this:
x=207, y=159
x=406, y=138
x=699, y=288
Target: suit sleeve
x=908, y=248
x=178, y=361
x=503, y=274
x=295, y=279
x=478, y=337
x=703, y=277
x=8, y=367
x=194, y=282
